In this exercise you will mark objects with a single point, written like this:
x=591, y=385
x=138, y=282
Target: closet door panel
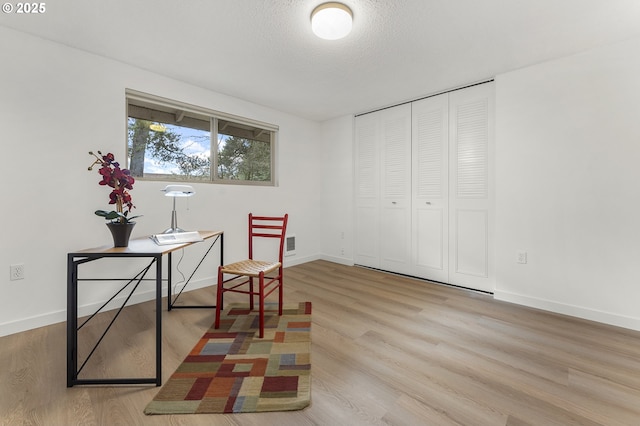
x=430, y=235
x=395, y=247
x=471, y=196
x=395, y=200
x=367, y=236
x=471, y=232
x=430, y=171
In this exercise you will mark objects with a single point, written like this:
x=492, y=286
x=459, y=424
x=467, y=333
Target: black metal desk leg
x=72, y=320
x=159, y=321
x=169, y=285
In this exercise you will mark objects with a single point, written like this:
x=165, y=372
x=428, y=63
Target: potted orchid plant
x=121, y=181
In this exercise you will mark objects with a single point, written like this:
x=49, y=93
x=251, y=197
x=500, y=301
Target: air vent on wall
x=290, y=245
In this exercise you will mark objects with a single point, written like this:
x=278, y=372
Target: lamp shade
x=331, y=21
x=178, y=191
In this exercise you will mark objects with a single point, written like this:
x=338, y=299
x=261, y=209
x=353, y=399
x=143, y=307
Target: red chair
x=267, y=273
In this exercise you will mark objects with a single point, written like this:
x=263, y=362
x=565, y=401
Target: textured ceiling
x=263, y=50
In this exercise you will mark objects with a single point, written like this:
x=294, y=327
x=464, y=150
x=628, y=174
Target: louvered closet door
x=430, y=204
x=471, y=187
x=367, y=190
x=395, y=200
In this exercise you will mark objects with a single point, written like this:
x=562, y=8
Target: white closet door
x=430, y=204
x=367, y=190
x=471, y=187
x=395, y=200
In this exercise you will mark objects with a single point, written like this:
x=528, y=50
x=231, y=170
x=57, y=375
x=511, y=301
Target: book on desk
x=176, y=238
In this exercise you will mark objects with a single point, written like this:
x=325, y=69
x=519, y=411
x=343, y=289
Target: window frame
x=147, y=100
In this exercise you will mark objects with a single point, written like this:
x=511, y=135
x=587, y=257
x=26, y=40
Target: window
x=169, y=140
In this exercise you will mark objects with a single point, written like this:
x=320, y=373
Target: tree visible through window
x=243, y=159
x=163, y=149
x=171, y=143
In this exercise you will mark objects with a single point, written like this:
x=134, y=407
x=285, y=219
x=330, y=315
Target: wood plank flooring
x=386, y=350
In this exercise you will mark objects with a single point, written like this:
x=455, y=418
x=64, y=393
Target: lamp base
x=173, y=230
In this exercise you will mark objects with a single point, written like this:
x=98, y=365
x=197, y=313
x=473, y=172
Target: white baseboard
x=24, y=324
x=570, y=310
x=55, y=317
x=336, y=259
x=297, y=260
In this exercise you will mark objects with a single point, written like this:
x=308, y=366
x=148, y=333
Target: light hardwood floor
x=386, y=350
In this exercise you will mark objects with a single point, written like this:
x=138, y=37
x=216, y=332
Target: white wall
x=56, y=104
x=568, y=185
x=337, y=189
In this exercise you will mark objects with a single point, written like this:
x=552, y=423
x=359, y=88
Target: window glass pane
x=168, y=151
x=244, y=152
x=243, y=159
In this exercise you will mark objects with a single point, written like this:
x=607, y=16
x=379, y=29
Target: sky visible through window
x=194, y=142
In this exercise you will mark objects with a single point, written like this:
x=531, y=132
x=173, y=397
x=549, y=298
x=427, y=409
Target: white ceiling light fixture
x=331, y=21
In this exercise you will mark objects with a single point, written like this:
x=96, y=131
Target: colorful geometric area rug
x=231, y=370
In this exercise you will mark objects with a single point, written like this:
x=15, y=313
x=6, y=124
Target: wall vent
x=290, y=245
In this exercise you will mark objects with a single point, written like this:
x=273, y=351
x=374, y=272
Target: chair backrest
x=267, y=227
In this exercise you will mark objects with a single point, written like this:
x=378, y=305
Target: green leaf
x=113, y=215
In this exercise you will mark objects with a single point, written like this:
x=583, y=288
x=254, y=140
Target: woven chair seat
x=251, y=268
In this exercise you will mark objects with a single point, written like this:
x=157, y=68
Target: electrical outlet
x=16, y=272
x=521, y=256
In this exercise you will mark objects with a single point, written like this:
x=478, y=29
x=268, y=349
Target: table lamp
x=176, y=191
